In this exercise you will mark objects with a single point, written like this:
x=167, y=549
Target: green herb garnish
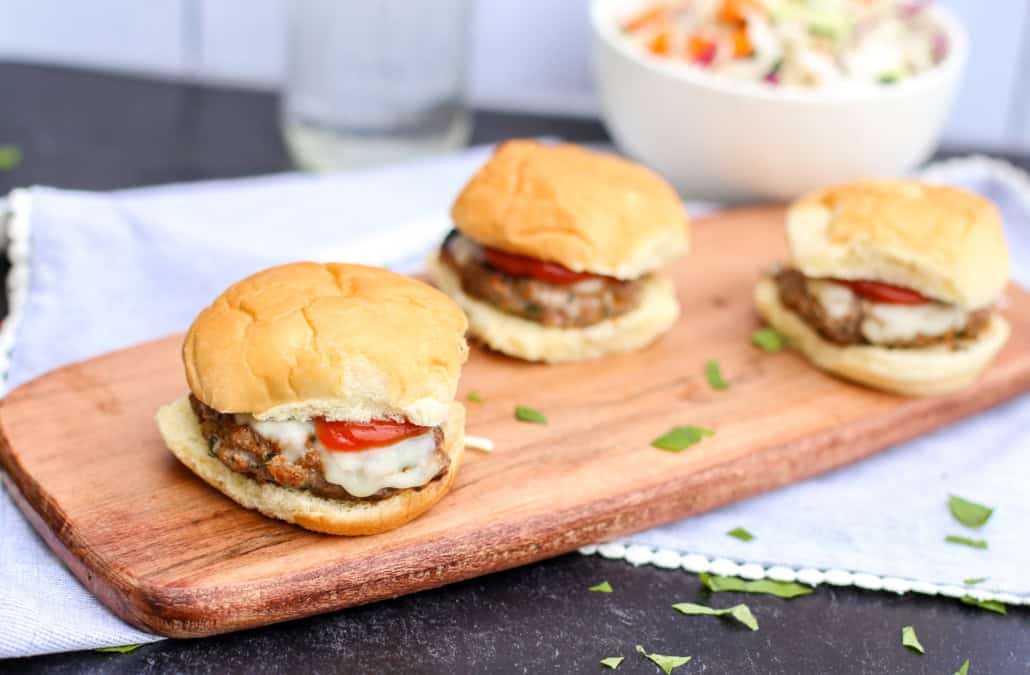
x=989, y=605
x=974, y=581
x=909, y=639
x=714, y=374
x=269, y=456
x=118, y=650
x=666, y=663
x=964, y=669
x=474, y=397
x=603, y=587
x=612, y=661
x=532, y=308
x=526, y=414
x=822, y=31
x=966, y=541
x=10, y=157
x=739, y=612
x=741, y=534
x=889, y=78
x=768, y=339
x=969, y=513
x=211, y=442
x=681, y=438
x=781, y=589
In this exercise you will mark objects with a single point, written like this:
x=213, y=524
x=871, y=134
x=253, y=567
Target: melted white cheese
x=291, y=436
x=464, y=250
x=899, y=323
x=406, y=464
x=837, y=299
x=885, y=322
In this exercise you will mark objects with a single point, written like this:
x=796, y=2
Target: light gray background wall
x=530, y=55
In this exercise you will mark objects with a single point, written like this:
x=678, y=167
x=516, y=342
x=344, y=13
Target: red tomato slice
x=355, y=436
x=524, y=266
x=881, y=292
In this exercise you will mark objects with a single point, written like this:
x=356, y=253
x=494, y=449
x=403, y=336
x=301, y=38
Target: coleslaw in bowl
x=723, y=138
x=793, y=43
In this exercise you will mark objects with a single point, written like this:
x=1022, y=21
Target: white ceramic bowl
x=721, y=139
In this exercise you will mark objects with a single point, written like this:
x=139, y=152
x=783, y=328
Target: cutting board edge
x=182, y=613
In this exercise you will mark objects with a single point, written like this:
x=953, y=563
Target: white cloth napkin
x=95, y=272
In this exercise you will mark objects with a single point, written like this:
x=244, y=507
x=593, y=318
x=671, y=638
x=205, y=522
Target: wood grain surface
x=171, y=555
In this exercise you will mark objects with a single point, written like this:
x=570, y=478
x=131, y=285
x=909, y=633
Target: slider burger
x=323, y=395
x=556, y=253
x=892, y=283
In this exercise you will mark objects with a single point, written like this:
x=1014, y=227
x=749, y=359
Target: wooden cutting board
x=171, y=555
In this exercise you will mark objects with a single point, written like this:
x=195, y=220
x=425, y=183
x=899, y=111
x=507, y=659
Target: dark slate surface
x=85, y=130
x=542, y=619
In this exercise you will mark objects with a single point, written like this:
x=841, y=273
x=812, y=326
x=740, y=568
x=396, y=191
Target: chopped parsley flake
x=909, y=639
x=974, y=581
x=781, y=589
x=969, y=513
x=966, y=541
x=768, y=339
x=474, y=397
x=527, y=414
x=989, y=605
x=603, y=587
x=612, y=661
x=964, y=669
x=666, y=663
x=125, y=649
x=741, y=613
x=741, y=534
x=681, y=438
x=714, y=375
x=10, y=157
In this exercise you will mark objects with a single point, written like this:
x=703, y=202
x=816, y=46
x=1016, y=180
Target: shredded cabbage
x=794, y=43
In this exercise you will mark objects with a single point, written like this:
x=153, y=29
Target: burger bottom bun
x=926, y=371
x=531, y=341
x=181, y=432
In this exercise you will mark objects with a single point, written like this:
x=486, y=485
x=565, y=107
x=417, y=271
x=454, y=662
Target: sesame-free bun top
x=345, y=342
x=589, y=212
x=944, y=242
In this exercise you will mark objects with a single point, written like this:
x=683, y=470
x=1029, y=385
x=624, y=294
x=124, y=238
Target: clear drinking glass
x=371, y=81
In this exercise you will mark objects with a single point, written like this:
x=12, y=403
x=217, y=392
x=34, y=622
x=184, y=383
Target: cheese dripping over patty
x=408, y=463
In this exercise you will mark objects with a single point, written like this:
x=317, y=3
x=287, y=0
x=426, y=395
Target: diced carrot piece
x=660, y=44
x=656, y=14
x=736, y=11
x=742, y=43
x=700, y=49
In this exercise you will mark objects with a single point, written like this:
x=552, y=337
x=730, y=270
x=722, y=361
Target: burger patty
x=576, y=305
x=847, y=330
x=244, y=451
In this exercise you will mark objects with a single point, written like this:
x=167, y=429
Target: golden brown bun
x=944, y=242
x=346, y=342
x=924, y=371
x=532, y=341
x=181, y=432
x=562, y=203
